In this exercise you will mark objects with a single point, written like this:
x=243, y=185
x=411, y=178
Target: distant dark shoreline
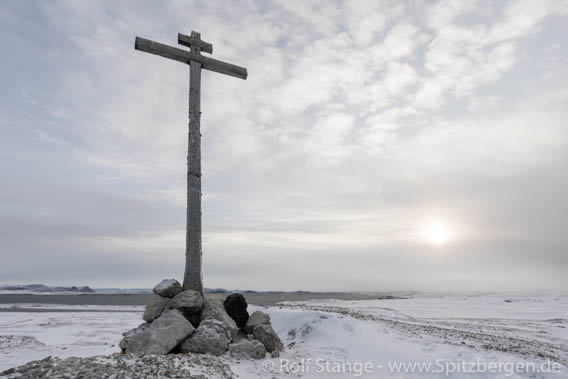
x=63, y=310
x=261, y=298
x=82, y=299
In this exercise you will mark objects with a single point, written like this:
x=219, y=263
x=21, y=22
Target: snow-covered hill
x=43, y=289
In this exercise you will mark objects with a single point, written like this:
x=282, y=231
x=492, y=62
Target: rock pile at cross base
x=178, y=321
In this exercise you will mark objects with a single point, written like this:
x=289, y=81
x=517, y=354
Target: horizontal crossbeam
x=186, y=57
x=188, y=41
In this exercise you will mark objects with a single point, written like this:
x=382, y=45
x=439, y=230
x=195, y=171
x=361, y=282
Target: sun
x=436, y=234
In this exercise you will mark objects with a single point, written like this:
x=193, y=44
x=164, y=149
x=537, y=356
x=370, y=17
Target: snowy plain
x=454, y=336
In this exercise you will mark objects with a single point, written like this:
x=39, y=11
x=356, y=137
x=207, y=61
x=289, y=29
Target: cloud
x=442, y=13
x=358, y=124
x=328, y=137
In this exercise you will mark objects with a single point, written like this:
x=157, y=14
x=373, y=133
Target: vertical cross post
x=193, y=250
x=192, y=278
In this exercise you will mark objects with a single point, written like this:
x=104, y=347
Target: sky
x=375, y=145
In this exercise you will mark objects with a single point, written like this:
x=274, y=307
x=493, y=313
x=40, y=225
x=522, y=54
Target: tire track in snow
x=525, y=338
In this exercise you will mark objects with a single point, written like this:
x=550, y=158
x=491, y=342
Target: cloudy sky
x=375, y=145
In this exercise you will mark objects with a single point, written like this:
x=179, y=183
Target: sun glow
x=436, y=234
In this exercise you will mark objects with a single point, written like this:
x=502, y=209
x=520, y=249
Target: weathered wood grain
x=193, y=249
x=186, y=57
x=188, y=41
x=193, y=279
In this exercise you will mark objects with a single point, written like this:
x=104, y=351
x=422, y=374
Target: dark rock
x=194, y=319
x=236, y=307
x=8, y=372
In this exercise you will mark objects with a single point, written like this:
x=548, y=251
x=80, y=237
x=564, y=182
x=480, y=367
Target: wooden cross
x=192, y=278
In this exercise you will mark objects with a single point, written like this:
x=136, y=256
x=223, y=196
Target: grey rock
x=161, y=336
x=256, y=319
x=131, y=333
x=268, y=337
x=167, y=288
x=188, y=302
x=210, y=337
x=213, y=309
x=275, y=354
x=154, y=307
x=247, y=349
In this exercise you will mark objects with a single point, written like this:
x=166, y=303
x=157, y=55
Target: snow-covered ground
x=489, y=336
x=26, y=336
